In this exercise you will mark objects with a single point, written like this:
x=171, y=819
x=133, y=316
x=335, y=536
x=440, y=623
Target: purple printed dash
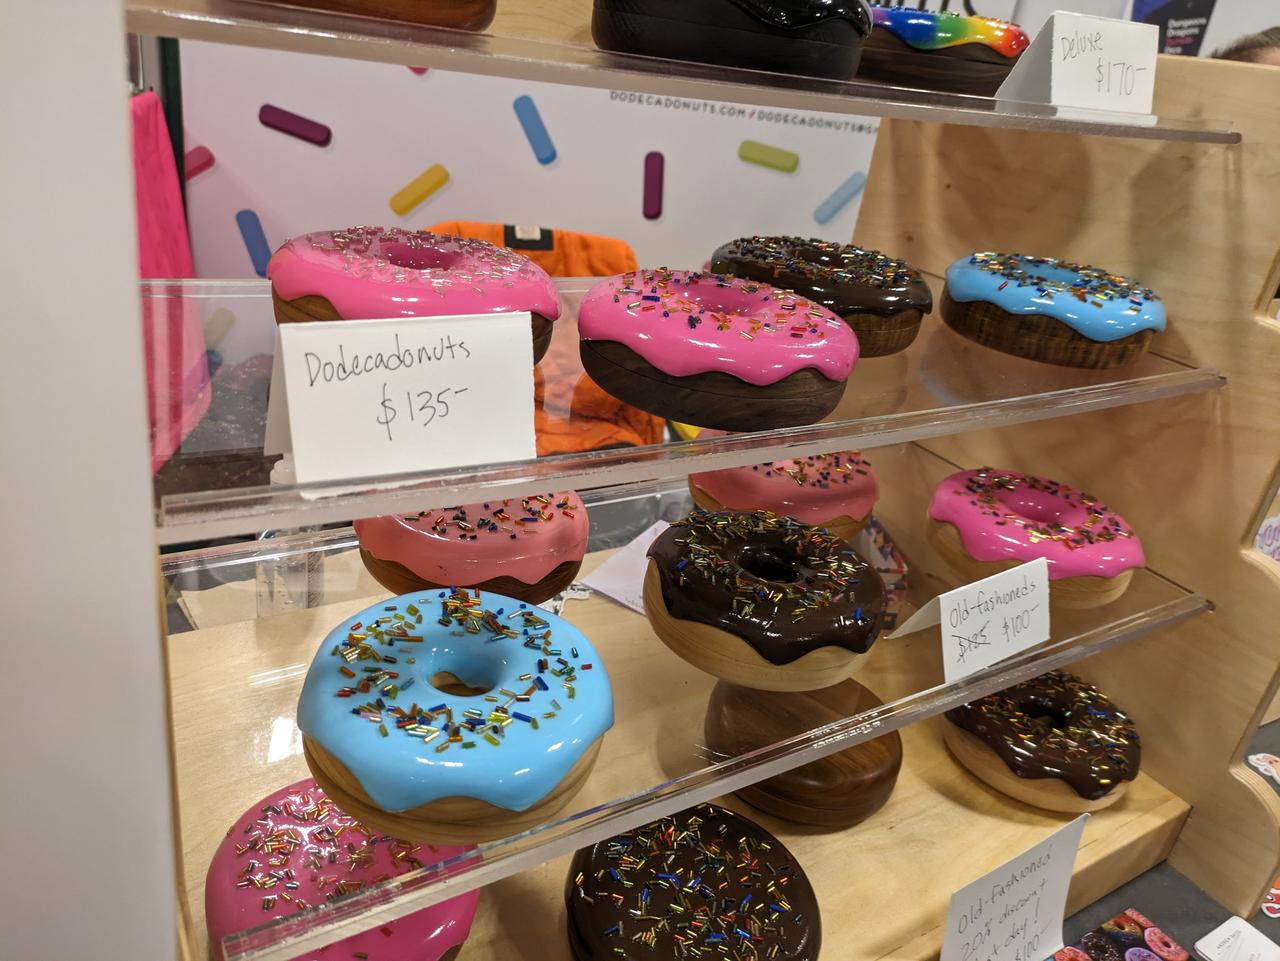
x=197, y=161
x=419, y=70
x=653, y=170
x=295, y=126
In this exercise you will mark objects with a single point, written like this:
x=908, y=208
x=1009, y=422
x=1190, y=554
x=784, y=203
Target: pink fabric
x=178, y=388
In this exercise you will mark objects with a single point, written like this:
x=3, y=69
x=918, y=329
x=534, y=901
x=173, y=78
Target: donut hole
x=1034, y=506
x=1046, y=715
x=449, y=683
x=768, y=565
x=417, y=258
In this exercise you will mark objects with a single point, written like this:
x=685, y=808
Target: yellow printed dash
x=754, y=152
x=419, y=189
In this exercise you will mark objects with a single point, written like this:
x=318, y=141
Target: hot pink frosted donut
x=527, y=539
x=296, y=849
x=1165, y=946
x=380, y=272
x=664, y=340
x=814, y=490
x=1006, y=516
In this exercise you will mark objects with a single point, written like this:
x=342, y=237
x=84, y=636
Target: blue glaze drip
x=400, y=772
x=1112, y=306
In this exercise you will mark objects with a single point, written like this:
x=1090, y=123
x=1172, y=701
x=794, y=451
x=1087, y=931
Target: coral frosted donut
x=835, y=491
x=882, y=299
x=714, y=351
x=940, y=51
x=296, y=849
x=1050, y=310
x=705, y=883
x=1164, y=946
x=762, y=601
x=1054, y=742
x=453, y=716
x=988, y=520
x=528, y=548
x=364, y=273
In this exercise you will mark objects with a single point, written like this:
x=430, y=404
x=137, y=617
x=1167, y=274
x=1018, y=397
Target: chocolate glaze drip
x=706, y=882
x=783, y=587
x=1057, y=726
x=793, y=14
x=841, y=277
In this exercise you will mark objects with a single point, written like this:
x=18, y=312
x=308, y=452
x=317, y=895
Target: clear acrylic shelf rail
x=215, y=485
x=553, y=60
x=247, y=673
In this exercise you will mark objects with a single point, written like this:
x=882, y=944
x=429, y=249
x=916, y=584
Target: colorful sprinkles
x=705, y=883
x=1100, y=526
x=820, y=260
x=1089, y=285
x=370, y=659
x=1057, y=726
x=497, y=518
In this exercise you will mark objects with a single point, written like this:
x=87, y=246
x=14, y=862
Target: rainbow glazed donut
x=528, y=548
x=761, y=600
x=714, y=351
x=1073, y=315
x=834, y=491
x=453, y=717
x=940, y=51
x=295, y=849
x=1054, y=742
x=375, y=273
x=989, y=520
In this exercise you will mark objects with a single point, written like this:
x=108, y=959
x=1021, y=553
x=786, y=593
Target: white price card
x=1015, y=912
x=622, y=575
x=1091, y=62
x=370, y=397
x=988, y=620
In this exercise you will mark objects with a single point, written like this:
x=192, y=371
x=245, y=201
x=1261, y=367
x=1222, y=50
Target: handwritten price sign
x=1015, y=912
x=371, y=397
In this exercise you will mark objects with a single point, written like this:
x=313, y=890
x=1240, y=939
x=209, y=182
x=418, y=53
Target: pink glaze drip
x=814, y=490
x=298, y=836
x=687, y=323
x=372, y=273
x=1005, y=516
x=464, y=546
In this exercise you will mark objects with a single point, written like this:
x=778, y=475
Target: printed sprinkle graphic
x=294, y=125
x=754, y=152
x=654, y=164
x=419, y=189
x=255, y=240
x=534, y=129
x=197, y=161
x=840, y=198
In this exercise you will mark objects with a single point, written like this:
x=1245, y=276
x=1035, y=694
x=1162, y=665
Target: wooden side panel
x=1201, y=225
x=561, y=21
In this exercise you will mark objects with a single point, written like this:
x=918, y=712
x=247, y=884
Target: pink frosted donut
x=365, y=273
x=836, y=491
x=1163, y=945
x=295, y=849
x=1005, y=516
x=714, y=351
x=529, y=548
x=1070, y=953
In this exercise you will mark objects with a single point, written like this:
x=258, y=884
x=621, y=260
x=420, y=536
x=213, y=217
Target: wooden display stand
x=1201, y=226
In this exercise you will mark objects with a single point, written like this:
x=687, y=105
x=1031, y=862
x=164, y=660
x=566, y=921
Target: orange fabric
x=571, y=412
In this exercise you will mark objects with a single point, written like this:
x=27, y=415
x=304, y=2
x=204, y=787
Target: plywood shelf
x=549, y=41
x=940, y=829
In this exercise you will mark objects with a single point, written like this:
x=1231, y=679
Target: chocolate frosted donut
x=881, y=299
x=761, y=600
x=1054, y=741
x=704, y=883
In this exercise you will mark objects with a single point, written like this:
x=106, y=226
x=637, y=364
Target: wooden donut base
x=1037, y=337
x=730, y=658
x=449, y=820
x=713, y=399
x=970, y=68
x=456, y=14
x=1050, y=794
x=314, y=307
x=1076, y=593
x=844, y=526
x=398, y=579
x=879, y=336
x=838, y=791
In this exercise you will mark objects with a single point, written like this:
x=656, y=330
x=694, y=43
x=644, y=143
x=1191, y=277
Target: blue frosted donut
x=369, y=702
x=1094, y=303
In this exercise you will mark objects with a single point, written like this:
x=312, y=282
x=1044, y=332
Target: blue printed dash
x=527, y=113
x=255, y=241
x=840, y=198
